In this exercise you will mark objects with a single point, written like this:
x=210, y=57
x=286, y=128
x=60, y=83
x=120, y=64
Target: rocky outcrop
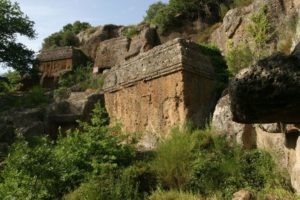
x=267, y=92
x=281, y=140
x=111, y=52
x=272, y=86
x=30, y=122
x=92, y=37
x=115, y=51
x=242, y=195
x=64, y=114
x=161, y=88
x=242, y=134
x=27, y=123
x=107, y=46
x=144, y=41
x=234, y=29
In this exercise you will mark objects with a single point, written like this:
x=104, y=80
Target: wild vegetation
x=98, y=161
x=79, y=79
x=261, y=31
x=13, y=22
x=65, y=37
x=130, y=31
x=179, y=12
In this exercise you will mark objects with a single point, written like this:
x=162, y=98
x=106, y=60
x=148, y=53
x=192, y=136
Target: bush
x=173, y=195
x=65, y=37
x=152, y=11
x=29, y=172
x=130, y=31
x=178, y=13
x=34, y=97
x=239, y=57
x=43, y=169
x=223, y=169
x=173, y=160
x=106, y=188
x=10, y=82
x=80, y=77
x=260, y=29
x=219, y=64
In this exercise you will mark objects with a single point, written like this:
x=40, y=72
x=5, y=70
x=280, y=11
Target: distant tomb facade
x=52, y=63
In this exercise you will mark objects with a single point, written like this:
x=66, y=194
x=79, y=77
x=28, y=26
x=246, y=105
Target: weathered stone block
x=161, y=88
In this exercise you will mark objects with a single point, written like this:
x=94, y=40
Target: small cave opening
x=291, y=139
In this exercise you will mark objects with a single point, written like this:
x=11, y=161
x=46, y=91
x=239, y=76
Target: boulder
x=64, y=114
x=25, y=122
x=146, y=40
x=243, y=134
x=92, y=37
x=274, y=143
x=116, y=50
x=267, y=92
x=242, y=195
x=111, y=52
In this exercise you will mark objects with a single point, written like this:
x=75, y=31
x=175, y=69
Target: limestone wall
x=161, y=88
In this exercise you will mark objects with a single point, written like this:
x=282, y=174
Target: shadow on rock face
x=269, y=91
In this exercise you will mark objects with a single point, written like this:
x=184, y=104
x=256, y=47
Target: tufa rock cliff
x=281, y=16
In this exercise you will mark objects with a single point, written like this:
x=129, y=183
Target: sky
x=51, y=15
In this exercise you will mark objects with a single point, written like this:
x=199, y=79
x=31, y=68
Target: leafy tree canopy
x=178, y=12
x=14, y=22
x=66, y=36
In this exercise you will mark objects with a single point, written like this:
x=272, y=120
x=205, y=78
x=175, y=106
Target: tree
x=14, y=22
x=153, y=10
x=67, y=36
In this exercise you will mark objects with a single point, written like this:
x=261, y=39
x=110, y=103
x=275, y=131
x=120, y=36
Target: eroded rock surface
x=161, y=88
x=235, y=27
x=91, y=38
x=65, y=113
x=107, y=46
x=243, y=134
x=267, y=92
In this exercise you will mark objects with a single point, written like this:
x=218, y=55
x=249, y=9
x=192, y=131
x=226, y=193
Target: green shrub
x=219, y=64
x=143, y=176
x=80, y=77
x=10, y=82
x=77, y=27
x=43, y=169
x=29, y=172
x=130, y=31
x=177, y=13
x=62, y=93
x=173, y=160
x=223, y=169
x=239, y=57
x=173, y=195
x=261, y=29
x=66, y=36
x=108, y=187
x=152, y=11
x=35, y=96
